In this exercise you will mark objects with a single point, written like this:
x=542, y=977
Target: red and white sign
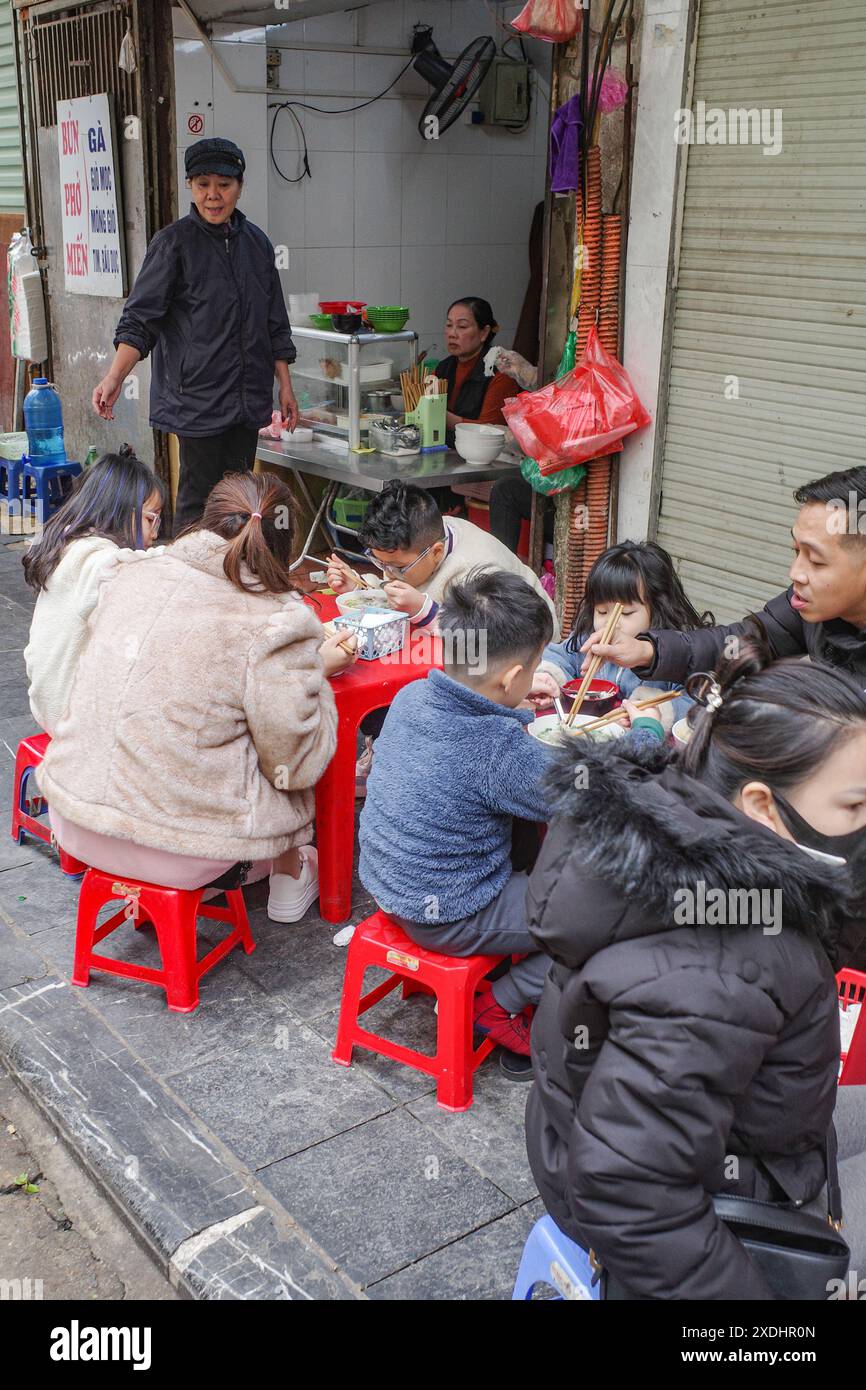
x=92, y=248
x=195, y=123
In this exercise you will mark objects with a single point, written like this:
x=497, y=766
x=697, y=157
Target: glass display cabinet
x=344, y=380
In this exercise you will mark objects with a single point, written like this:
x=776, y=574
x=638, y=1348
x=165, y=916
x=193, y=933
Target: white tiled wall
x=387, y=216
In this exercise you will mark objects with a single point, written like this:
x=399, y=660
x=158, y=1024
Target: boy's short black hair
x=489, y=618
x=402, y=517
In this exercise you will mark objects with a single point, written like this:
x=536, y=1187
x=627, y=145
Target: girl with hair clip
x=200, y=717
x=695, y=904
x=641, y=576
x=115, y=510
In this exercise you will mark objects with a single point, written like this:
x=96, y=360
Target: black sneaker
x=514, y=1065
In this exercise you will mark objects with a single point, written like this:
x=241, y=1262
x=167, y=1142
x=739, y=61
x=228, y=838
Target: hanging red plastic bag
x=555, y=21
x=583, y=415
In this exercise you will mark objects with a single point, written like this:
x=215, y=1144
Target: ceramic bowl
x=478, y=444
x=682, y=731
x=548, y=728
x=357, y=601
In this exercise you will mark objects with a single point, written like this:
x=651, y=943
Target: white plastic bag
x=29, y=335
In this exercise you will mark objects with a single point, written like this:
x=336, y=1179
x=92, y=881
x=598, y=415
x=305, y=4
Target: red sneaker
x=497, y=1023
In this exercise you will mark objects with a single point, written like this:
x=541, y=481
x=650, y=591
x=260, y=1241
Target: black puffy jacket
x=208, y=304
x=669, y=1059
x=837, y=643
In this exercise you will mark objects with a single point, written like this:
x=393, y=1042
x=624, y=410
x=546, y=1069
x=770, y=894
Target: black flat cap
x=214, y=156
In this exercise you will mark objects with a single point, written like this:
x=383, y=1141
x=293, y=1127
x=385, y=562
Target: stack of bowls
x=479, y=444
x=386, y=318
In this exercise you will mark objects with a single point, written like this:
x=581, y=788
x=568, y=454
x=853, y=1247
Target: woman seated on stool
x=200, y=716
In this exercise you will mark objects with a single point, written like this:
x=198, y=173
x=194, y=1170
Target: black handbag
x=796, y=1252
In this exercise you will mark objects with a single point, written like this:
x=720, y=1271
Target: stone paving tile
x=490, y=1135
x=233, y=1015
x=161, y=1166
x=481, y=1266
x=14, y=727
x=38, y=895
x=252, y=1260
x=18, y=964
x=410, y=1022
x=298, y=961
x=268, y=1104
x=383, y=1195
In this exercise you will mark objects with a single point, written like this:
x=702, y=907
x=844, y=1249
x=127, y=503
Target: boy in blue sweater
x=455, y=764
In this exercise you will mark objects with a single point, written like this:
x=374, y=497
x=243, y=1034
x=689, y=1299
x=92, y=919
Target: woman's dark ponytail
x=763, y=720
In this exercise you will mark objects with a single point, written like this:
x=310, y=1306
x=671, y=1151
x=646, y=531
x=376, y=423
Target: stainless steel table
x=370, y=471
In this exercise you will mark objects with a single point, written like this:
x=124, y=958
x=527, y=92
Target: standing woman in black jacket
x=208, y=304
x=696, y=906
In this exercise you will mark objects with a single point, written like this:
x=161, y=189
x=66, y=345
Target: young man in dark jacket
x=822, y=614
x=208, y=304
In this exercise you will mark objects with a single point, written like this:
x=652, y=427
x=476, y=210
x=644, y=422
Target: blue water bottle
x=43, y=421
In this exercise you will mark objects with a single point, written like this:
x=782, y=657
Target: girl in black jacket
x=696, y=905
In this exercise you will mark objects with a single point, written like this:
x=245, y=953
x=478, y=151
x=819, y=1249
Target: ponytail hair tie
x=703, y=687
x=258, y=514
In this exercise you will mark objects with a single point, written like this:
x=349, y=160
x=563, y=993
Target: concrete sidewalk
x=249, y=1164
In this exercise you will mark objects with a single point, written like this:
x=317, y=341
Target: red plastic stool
x=173, y=912
x=26, y=812
x=453, y=979
x=852, y=990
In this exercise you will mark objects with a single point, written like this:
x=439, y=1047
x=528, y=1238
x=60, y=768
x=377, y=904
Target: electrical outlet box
x=504, y=94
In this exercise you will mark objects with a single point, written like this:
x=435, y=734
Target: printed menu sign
x=89, y=198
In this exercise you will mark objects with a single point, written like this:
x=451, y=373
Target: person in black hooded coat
x=673, y=1057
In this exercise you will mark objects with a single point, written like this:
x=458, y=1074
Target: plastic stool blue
x=47, y=484
x=551, y=1258
x=10, y=483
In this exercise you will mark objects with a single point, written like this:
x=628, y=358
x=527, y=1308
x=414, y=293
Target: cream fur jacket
x=199, y=717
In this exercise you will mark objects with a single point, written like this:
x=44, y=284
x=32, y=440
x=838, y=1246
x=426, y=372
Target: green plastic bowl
x=387, y=318
x=323, y=321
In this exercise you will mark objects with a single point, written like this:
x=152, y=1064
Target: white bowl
x=479, y=444
x=682, y=731
x=548, y=728
x=354, y=603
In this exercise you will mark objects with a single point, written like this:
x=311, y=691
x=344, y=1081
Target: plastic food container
x=379, y=634
x=601, y=696
x=301, y=435
x=342, y=306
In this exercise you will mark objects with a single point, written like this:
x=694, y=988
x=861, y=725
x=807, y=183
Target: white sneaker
x=344, y=936
x=290, y=897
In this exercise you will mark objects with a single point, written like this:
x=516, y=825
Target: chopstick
x=594, y=663
x=332, y=632
x=614, y=715
x=413, y=382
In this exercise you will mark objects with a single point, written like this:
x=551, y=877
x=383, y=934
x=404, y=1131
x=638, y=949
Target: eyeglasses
x=400, y=571
x=155, y=519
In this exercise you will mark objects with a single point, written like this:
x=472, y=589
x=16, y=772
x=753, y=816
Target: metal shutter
x=771, y=288
x=11, y=172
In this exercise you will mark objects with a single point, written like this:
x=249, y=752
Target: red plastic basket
x=852, y=990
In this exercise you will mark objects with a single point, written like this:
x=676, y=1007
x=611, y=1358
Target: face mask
x=850, y=847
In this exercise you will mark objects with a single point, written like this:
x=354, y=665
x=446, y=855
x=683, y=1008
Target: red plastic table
x=366, y=686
